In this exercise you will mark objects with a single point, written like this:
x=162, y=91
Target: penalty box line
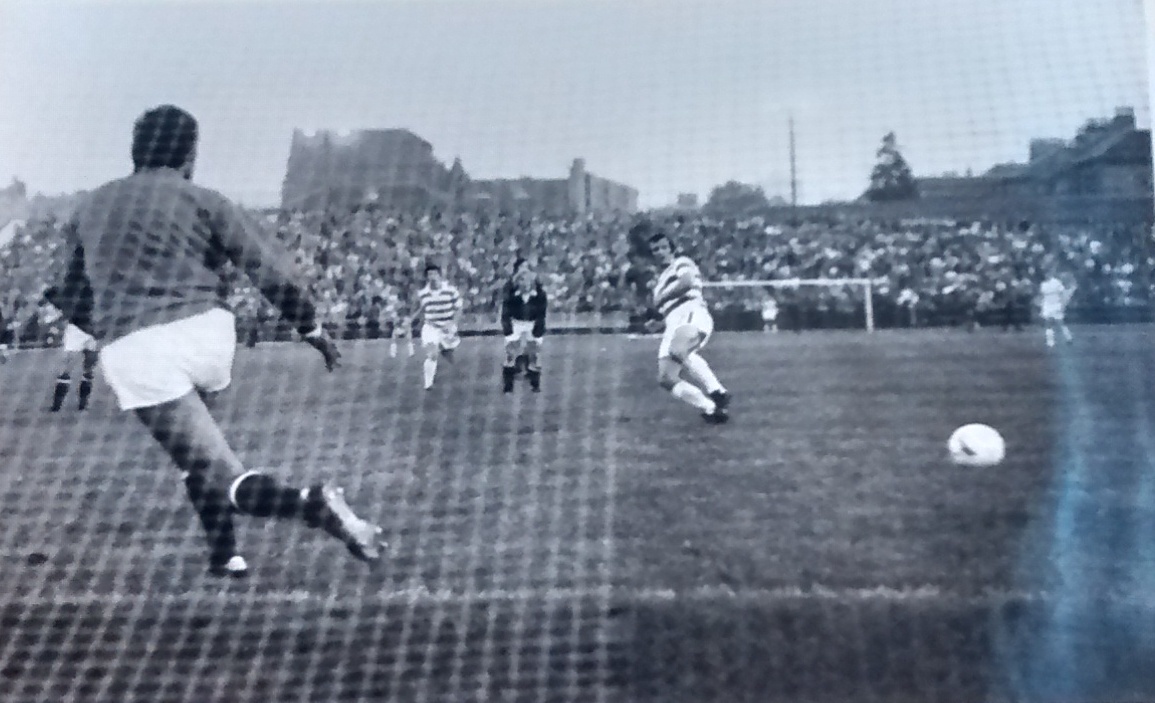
x=227, y=596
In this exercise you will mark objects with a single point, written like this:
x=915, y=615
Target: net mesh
x=498, y=580
x=537, y=554
x=597, y=541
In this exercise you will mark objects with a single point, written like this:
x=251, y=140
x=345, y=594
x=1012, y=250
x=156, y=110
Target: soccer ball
x=976, y=445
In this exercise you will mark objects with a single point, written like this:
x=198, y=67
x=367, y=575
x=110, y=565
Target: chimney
x=1124, y=117
x=577, y=186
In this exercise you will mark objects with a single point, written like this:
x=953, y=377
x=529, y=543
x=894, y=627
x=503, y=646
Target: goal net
x=796, y=303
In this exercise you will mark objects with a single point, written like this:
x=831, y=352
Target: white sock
x=1067, y=333
x=430, y=371
x=1050, y=337
x=689, y=393
x=702, y=372
x=393, y=349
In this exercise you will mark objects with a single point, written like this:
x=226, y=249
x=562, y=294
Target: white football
x=976, y=445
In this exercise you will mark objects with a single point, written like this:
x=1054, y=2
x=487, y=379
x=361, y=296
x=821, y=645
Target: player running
x=523, y=324
x=1054, y=296
x=151, y=246
x=397, y=322
x=678, y=298
x=440, y=306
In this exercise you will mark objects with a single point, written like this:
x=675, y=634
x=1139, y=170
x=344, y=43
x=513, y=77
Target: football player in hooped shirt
x=678, y=298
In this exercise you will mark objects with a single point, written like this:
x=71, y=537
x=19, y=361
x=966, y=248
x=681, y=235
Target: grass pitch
x=598, y=542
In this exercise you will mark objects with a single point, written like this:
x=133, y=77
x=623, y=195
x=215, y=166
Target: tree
x=734, y=199
x=891, y=178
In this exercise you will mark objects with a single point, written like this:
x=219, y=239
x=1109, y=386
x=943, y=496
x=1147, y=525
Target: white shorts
x=77, y=340
x=693, y=314
x=162, y=363
x=445, y=338
x=522, y=332
x=1052, y=314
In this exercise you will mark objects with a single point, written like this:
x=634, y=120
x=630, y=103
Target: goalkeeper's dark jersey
x=517, y=305
x=150, y=249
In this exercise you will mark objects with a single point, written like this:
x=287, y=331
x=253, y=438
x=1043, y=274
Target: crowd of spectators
x=927, y=272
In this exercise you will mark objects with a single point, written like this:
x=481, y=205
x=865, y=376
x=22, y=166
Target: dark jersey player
x=76, y=342
x=151, y=247
x=523, y=310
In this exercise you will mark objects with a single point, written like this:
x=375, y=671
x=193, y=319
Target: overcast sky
x=667, y=95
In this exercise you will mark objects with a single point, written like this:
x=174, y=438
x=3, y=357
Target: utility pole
x=793, y=173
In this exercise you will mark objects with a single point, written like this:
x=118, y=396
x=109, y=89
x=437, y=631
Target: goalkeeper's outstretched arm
x=267, y=264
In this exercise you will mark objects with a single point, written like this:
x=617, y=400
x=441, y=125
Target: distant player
x=677, y=295
x=770, y=314
x=148, y=248
x=439, y=307
x=1054, y=296
x=78, y=345
x=523, y=311
x=399, y=324
x=5, y=335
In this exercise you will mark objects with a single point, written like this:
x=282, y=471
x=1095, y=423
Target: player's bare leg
x=429, y=367
x=701, y=373
x=686, y=341
x=510, y=367
x=1055, y=328
x=218, y=486
x=533, y=364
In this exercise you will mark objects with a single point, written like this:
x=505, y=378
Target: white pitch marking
x=422, y=596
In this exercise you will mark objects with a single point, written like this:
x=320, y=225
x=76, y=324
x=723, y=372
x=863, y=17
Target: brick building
x=1105, y=170
x=398, y=168
x=387, y=165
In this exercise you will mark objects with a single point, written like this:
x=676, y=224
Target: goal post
x=864, y=287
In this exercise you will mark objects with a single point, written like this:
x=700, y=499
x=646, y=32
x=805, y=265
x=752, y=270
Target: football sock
x=84, y=390
x=689, y=393
x=216, y=516
x=260, y=495
x=702, y=372
x=1067, y=333
x=508, y=375
x=60, y=392
x=532, y=368
x=1050, y=337
x=430, y=372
